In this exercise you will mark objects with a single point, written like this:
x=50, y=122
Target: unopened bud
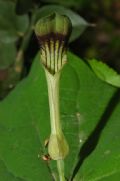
x=58, y=147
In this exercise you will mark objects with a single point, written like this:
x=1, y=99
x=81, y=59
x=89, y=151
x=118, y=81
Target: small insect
x=46, y=157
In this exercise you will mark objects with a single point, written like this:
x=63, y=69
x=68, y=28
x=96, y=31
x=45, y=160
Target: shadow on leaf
x=92, y=141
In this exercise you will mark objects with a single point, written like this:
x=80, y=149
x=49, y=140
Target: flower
x=53, y=33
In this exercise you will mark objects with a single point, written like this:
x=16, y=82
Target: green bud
x=58, y=147
x=53, y=33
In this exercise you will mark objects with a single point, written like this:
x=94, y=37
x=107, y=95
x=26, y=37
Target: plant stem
x=19, y=58
x=60, y=166
x=58, y=147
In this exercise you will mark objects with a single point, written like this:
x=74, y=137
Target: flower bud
x=58, y=147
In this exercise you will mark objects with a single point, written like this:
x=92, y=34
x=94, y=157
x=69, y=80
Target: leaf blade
x=78, y=85
x=105, y=73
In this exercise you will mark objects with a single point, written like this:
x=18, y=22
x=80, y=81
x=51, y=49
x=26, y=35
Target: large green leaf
x=78, y=23
x=24, y=123
x=104, y=161
x=11, y=25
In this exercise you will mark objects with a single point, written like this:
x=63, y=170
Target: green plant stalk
x=60, y=166
x=18, y=66
x=58, y=147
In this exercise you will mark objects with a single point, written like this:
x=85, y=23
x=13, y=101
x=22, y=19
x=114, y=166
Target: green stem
x=60, y=166
x=19, y=59
x=58, y=147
